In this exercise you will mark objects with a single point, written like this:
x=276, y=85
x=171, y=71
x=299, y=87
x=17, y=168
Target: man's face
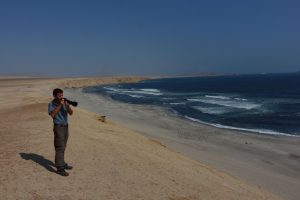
x=59, y=96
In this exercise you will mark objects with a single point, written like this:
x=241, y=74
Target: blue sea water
x=261, y=103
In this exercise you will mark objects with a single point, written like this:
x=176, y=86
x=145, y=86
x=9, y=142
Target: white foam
x=240, y=99
x=211, y=110
x=150, y=90
x=179, y=103
x=141, y=92
x=263, y=131
x=135, y=96
x=233, y=104
x=217, y=97
x=134, y=91
x=111, y=88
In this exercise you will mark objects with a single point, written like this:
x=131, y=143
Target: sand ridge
x=110, y=161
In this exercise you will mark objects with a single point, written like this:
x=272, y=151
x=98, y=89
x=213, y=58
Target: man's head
x=58, y=93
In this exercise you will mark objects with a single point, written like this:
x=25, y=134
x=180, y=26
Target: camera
x=73, y=103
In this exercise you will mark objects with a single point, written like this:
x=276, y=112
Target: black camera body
x=73, y=103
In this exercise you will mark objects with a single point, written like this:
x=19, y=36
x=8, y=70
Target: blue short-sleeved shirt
x=62, y=116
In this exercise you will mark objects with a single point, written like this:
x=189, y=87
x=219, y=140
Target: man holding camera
x=59, y=109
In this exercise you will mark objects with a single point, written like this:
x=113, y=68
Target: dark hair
x=56, y=91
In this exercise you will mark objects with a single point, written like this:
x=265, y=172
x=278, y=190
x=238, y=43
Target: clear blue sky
x=79, y=38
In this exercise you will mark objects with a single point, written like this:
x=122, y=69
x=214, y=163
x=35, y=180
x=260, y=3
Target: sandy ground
x=110, y=161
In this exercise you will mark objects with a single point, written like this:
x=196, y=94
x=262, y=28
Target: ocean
x=257, y=103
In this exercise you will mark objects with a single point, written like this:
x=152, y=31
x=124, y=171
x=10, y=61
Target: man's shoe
x=62, y=172
x=68, y=167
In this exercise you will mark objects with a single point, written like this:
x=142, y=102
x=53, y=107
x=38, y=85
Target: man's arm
x=54, y=112
x=69, y=110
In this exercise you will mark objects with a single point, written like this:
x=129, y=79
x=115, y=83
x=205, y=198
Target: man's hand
x=56, y=110
x=62, y=101
x=67, y=104
x=68, y=107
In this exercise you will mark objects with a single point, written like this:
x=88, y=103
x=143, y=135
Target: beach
x=138, y=153
x=268, y=161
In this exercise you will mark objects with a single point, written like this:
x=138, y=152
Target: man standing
x=59, y=109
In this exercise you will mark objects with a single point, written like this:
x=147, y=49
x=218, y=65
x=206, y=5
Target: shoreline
x=257, y=131
x=111, y=161
x=249, y=156
x=256, y=128
x=242, y=130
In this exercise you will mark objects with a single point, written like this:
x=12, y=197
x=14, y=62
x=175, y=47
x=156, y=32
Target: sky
x=148, y=37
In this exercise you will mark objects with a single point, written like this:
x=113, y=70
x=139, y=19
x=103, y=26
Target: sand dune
x=110, y=161
x=86, y=81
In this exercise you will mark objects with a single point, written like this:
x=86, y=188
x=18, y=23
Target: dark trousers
x=61, y=135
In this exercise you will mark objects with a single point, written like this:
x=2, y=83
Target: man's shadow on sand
x=49, y=165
